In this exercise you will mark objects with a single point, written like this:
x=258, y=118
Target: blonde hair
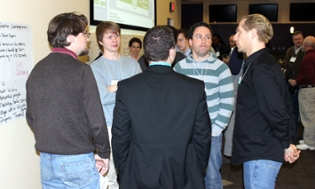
x=261, y=24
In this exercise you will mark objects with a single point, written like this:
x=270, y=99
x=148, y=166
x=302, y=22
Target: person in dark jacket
x=293, y=59
x=264, y=127
x=161, y=133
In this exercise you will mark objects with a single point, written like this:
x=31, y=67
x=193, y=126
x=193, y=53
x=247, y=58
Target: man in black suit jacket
x=161, y=133
x=293, y=59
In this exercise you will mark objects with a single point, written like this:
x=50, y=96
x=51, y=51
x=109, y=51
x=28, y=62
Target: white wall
x=19, y=162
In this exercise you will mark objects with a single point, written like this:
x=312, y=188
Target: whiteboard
x=16, y=59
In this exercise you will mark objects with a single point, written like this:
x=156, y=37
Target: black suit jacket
x=236, y=61
x=292, y=68
x=161, y=132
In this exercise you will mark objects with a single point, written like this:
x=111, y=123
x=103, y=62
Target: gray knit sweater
x=64, y=109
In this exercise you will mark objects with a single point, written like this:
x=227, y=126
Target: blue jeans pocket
x=79, y=173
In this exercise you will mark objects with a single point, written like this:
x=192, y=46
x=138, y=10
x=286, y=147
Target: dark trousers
x=295, y=103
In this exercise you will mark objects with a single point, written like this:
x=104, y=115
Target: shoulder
x=128, y=59
x=97, y=62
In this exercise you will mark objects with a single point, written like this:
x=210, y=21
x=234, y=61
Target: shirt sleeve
x=270, y=97
x=226, y=102
x=95, y=114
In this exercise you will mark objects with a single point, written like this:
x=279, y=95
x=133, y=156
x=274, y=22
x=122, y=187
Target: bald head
x=309, y=43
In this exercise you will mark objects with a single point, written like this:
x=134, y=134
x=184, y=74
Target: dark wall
x=191, y=14
x=281, y=40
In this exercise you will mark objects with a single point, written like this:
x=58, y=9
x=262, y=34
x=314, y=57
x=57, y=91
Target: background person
x=235, y=62
x=108, y=69
x=219, y=46
x=135, y=46
x=182, y=42
x=306, y=83
x=293, y=59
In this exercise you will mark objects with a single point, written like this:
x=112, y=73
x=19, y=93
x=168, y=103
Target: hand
x=101, y=164
x=226, y=59
x=291, y=154
x=112, y=88
x=292, y=82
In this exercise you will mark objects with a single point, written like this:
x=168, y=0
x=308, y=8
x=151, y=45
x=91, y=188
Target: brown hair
x=63, y=25
x=105, y=27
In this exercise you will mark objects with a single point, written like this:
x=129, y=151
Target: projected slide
x=140, y=13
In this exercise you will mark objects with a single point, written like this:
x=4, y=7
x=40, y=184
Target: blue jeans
x=69, y=171
x=213, y=179
x=261, y=174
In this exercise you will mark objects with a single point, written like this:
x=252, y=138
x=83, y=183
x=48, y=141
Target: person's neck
x=200, y=58
x=255, y=48
x=135, y=56
x=185, y=50
x=111, y=55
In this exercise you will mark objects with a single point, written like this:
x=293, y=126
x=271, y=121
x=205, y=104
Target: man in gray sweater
x=64, y=110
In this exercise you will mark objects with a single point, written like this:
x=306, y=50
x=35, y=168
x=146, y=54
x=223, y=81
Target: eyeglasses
x=87, y=34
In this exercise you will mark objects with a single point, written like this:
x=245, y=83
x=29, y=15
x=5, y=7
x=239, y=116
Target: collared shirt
x=64, y=51
x=296, y=50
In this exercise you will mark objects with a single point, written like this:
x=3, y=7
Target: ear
x=172, y=52
x=253, y=33
x=70, y=38
x=171, y=55
x=190, y=42
x=101, y=43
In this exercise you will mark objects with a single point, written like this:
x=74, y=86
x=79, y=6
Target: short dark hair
x=196, y=25
x=106, y=26
x=157, y=42
x=175, y=32
x=184, y=31
x=63, y=25
x=297, y=32
x=135, y=39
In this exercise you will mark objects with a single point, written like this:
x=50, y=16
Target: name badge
x=292, y=59
x=114, y=82
x=217, y=54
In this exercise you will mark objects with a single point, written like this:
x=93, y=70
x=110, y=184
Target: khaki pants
x=307, y=114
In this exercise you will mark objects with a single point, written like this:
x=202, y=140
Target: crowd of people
x=158, y=120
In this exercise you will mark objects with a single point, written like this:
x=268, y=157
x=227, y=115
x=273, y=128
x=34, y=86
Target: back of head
x=175, y=32
x=196, y=25
x=261, y=24
x=309, y=42
x=63, y=25
x=157, y=42
x=106, y=27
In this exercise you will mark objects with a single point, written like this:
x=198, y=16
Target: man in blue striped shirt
x=203, y=65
